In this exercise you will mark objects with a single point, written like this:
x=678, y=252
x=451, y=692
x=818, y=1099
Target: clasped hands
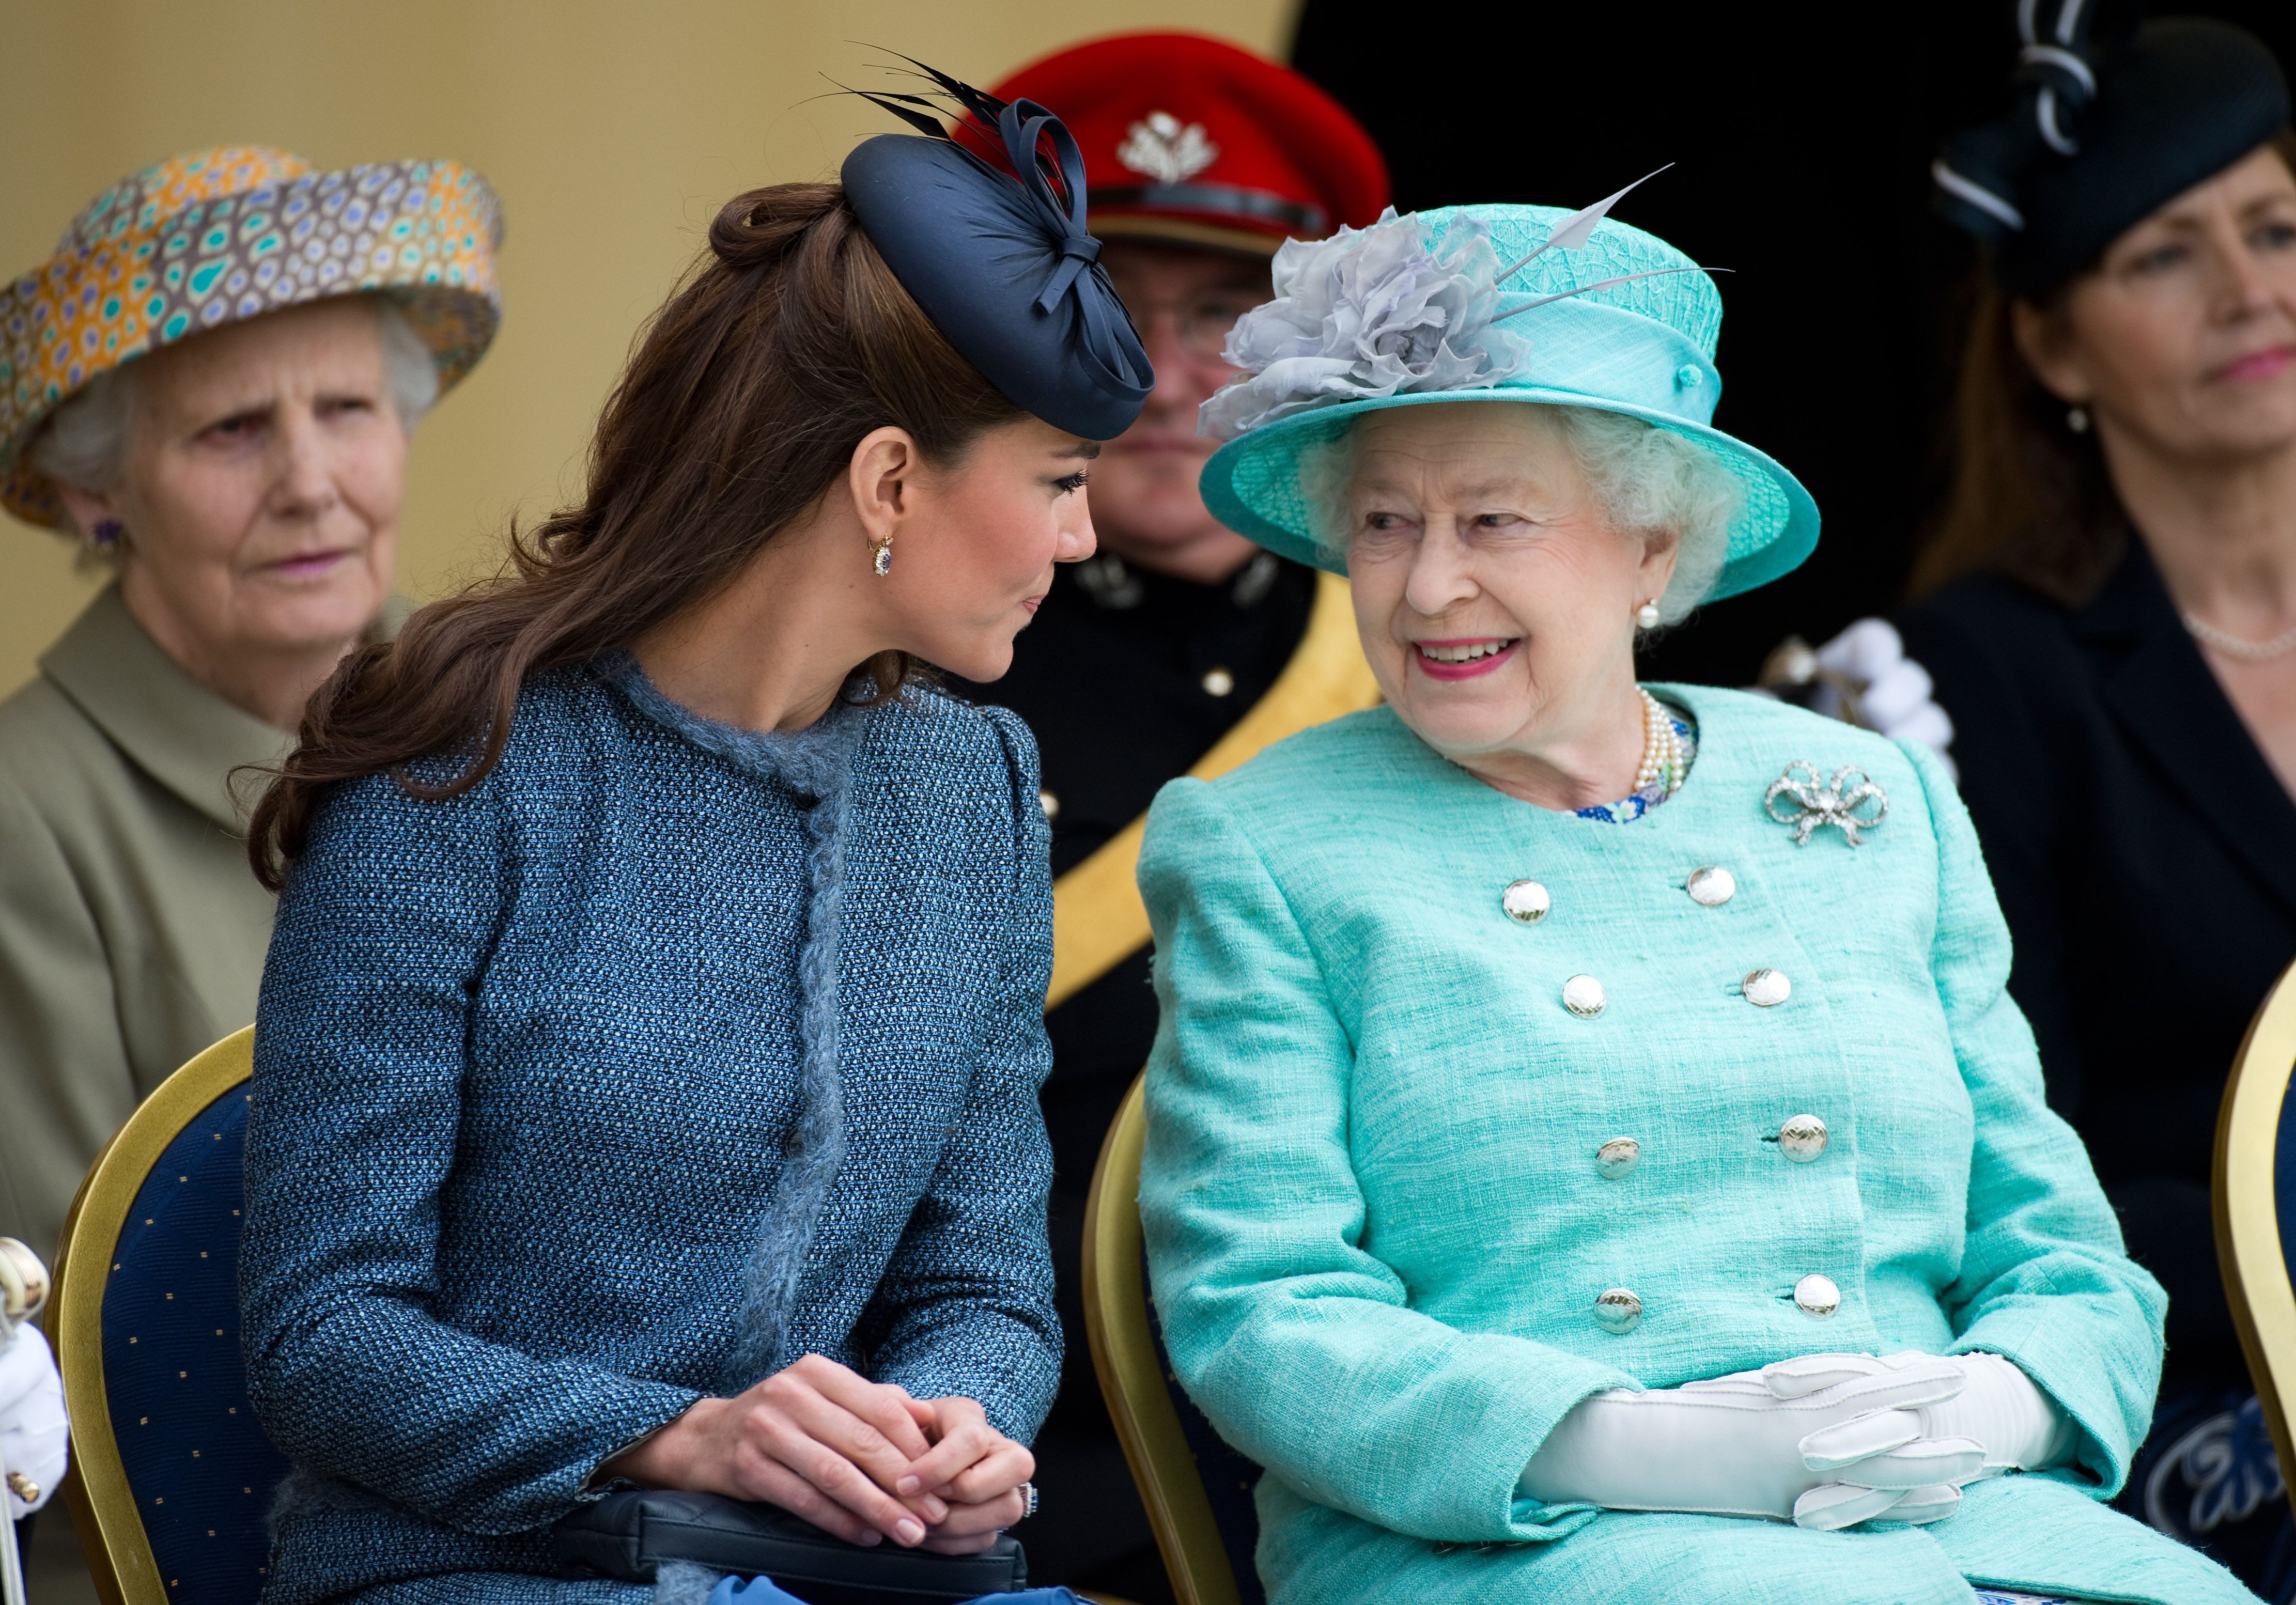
x=1824, y=1440
x=856, y=1458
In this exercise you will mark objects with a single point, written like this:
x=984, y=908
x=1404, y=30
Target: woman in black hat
x=2110, y=620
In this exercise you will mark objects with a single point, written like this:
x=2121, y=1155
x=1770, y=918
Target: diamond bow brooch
x=1835, y=802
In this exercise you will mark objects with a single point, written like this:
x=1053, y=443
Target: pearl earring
x=1647, y=615
x=881, y=564
x=2077, y=420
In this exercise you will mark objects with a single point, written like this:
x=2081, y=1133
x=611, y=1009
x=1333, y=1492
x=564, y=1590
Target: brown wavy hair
x=787, y=342
x=2031, y=498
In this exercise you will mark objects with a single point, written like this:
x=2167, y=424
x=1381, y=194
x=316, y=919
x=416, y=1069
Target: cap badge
x=1158, y=147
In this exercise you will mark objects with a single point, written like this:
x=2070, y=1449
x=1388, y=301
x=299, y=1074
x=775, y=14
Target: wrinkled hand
x=34, y=1433
x=1895, y=694
x=1826, y=1441
x=975, y=1471
x=816, y=1438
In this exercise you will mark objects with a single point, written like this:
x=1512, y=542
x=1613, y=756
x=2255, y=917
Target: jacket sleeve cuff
x=2099, y=1396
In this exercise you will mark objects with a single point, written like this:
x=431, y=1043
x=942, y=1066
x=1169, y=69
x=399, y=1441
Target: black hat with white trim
x=2102, y=133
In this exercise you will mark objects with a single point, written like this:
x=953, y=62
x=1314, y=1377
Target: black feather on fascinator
x=2110, y=120
x=999, y=256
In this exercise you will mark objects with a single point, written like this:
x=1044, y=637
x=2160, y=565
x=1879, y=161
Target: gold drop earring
x=881, y=564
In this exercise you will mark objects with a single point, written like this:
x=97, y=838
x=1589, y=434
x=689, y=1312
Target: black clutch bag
x=628, y=1536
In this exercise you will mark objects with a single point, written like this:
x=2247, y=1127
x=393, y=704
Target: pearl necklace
x=1661, y=748
x=2233, y=646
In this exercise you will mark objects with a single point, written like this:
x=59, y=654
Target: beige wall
x=613, y=131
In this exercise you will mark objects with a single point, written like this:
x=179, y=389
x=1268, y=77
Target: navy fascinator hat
x=2102, y=132
x=1001, y=260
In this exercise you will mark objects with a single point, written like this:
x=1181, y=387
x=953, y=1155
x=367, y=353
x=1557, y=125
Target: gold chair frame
x=1124, y=1355
x=103, y=1505
x=2248, y=1250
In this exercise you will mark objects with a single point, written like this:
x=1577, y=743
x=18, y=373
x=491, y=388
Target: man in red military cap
x=1181, y=645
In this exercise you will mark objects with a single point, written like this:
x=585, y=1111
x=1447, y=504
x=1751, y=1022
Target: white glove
x=1895, y=698
x=2022, y=1428
x=34, y=1433
x=1825, y=1441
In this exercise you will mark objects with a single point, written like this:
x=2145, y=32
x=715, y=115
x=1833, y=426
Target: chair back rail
x=171, y=1475
x=1209, y=1558
x=2255, y=1203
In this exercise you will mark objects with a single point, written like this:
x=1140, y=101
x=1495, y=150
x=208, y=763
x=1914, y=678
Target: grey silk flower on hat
x=1371, y=312
x=1391, y=310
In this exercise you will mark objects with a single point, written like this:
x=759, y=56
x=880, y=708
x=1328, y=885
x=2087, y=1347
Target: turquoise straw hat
x=1407, y=313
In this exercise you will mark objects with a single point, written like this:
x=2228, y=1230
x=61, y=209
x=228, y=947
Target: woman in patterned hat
x=1590, y=1152
x=210, y=388
x=646, y=1067
x=2110, y=617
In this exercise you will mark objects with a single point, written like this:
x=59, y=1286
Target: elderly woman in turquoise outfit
x=1591, y=1153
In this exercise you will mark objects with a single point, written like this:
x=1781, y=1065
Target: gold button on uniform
x=1526, y=901
x=1768, y=988
x=1618, y=1310
x=1711, y=887
x=1582, y=994
x=1802, y=1138
x=1618, y=1157
x=1219, y=682
x=1816, y=1297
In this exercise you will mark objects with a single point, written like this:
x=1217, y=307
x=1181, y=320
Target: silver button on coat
x=1816, y=1295
x=1768, y=988
x=1618, y=1157
x=1526, y=901
x=1583, y=995
x=1802, y=1138
x=1618, y=1310
x=1711, y=887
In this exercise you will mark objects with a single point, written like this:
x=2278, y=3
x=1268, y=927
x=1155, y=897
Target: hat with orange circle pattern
x=221, y=235
x=1195, y=141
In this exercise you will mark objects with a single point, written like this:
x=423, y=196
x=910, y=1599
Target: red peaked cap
x=1192, y=140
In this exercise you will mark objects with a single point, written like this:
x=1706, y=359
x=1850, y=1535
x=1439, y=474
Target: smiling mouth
x=2258, y=364
x=1462, y=659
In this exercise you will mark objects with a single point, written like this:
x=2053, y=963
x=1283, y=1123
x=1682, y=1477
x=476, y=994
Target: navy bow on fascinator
x=2106, y=124
x=1001, y=260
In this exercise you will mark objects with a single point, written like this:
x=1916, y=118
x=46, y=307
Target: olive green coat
x=132, y=932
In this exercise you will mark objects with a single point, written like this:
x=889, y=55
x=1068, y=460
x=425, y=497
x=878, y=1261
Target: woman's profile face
x=1495, y=602
x=265, y=468
x=2184, y=334
x=968, y=575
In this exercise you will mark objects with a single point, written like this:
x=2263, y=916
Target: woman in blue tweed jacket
x=1591, y=1152
x=647, y=1059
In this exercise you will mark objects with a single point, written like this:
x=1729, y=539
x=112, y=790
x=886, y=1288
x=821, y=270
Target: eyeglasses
x=1201, y=322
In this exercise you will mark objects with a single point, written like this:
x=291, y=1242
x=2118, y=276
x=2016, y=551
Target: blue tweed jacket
x=665, y=1055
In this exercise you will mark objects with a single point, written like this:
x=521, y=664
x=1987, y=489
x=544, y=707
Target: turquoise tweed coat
x=1377, y=1231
